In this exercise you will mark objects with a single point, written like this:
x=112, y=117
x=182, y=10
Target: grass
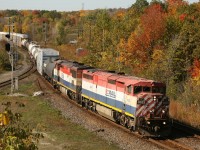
x=59, y=133
x=187, y=114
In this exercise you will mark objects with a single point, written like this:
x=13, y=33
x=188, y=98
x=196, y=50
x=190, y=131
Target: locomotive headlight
x=154, y=98
x=164, y=123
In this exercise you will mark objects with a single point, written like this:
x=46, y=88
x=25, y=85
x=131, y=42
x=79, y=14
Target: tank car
x=31, y=46
x=24, y=41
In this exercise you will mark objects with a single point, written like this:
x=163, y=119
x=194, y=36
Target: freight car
x=137, y=103
x=43, y=54
x=17, y=38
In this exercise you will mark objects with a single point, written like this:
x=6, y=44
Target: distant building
x=73, y=42
x=81, y=52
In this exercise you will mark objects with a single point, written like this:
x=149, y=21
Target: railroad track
x=169, y=144
x=179, y=130
x=31, y=69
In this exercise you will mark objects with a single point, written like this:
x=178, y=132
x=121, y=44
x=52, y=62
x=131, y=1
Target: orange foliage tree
x=145, y=38
x=174, y=5
x=153, y=23
x=195, y=71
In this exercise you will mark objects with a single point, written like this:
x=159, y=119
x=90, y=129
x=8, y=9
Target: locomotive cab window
x=73, y=73
x=158, y=90
x=137, y=89
x=146, y=89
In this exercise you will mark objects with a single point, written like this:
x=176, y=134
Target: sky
x=66, y=5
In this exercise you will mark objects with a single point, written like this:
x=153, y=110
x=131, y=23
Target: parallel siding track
x=30, y=70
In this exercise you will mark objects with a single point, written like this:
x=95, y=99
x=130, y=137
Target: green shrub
x=16, y=135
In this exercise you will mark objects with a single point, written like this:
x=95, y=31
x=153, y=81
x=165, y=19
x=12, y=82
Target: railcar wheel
x=123, y=120
x=128, y=124
x=54, y=86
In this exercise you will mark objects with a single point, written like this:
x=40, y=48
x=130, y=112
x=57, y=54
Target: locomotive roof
x=73, y=64
x=91, y=71
x=126, y=79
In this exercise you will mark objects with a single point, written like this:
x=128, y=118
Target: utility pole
x=12, y=60
x=11, y=51
x=33, y=30
x=45, y=32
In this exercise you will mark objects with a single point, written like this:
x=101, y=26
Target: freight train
x=136, y=103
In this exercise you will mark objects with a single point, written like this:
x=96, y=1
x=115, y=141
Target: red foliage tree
x=146, y=38
x=182, y=17
x=195, y=70
x=143, y=42
x=153, y=23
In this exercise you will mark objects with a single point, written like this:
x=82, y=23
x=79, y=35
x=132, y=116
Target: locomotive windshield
x=146, y=89
x=137, y=89
x=158, y=90
x=154, y=89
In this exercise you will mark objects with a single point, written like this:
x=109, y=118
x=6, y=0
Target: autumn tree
x=185, y=50
x=4, y=58
x=100, y=37
x=140, y=6
x=175, y=5
x=146, y=37
x=153, y=24
x=195, y=71
x=60, y=38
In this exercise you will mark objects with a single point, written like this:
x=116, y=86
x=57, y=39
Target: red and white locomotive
x=136, y=103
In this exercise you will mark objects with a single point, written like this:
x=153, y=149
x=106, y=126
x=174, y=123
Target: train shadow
x=181, y=130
